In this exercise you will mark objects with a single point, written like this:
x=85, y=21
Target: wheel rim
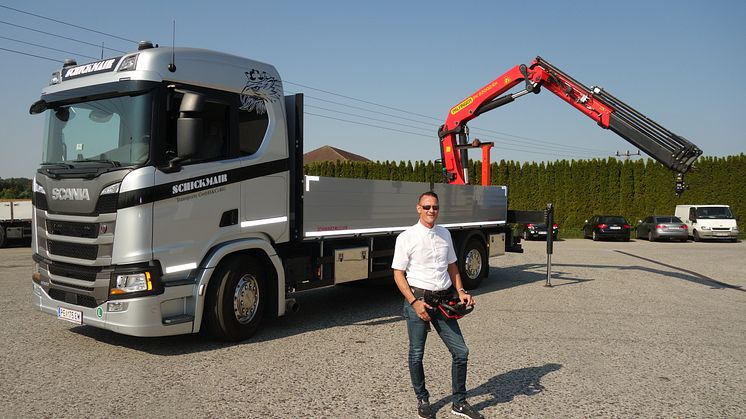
x=246, y=299
x=473, y=264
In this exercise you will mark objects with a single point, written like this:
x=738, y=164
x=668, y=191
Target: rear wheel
x=595, y=237
x=237, y=299
x=650, y=236
x=2, y=236
x=473, y=264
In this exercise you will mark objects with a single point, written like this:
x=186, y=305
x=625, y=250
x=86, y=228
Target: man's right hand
x=421, y=308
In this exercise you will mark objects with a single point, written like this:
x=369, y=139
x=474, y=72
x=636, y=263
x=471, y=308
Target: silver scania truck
x=171, y=199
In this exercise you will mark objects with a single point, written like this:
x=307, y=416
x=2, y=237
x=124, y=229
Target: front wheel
x=473, y=263
x=695, y=236
x=2, y=236
x=237, y=299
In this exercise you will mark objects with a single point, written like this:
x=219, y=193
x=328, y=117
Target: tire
x=650, y=236
x=595, y=236
x=473, y=263
x=2, y=236
x=525, y=235
x=695, y=236
x=237, y=299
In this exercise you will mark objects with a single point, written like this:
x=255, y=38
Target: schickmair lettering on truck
x=195, y=185
x=102, y=66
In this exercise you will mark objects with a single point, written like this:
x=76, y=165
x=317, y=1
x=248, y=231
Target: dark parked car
x=657, y=227
x=536, y=231
x=606, y=227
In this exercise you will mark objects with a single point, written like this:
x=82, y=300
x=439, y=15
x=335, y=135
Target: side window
x=213, y=142
x=215, y=135
x=252, y=126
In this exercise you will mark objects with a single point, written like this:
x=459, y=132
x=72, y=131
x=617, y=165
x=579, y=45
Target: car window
x=613, y=220
x=668, y=220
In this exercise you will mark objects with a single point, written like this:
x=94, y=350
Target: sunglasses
x=427, y=207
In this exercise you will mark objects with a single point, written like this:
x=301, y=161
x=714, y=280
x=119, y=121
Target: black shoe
x=465, y=410
x=424, y=411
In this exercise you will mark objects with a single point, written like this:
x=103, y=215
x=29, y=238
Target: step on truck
x=171, y=199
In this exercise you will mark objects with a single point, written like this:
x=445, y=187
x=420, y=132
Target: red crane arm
x=672, y=150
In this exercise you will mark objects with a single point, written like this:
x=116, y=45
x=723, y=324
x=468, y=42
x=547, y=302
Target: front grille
x=72, y=250
x=721, y=228
x=73, y=298
x=107, y=203
x=66, y=228
x=72, y=271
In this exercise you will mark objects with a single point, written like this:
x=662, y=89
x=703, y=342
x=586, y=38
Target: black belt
x=433, y=297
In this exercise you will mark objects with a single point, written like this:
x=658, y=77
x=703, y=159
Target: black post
x=549, y=220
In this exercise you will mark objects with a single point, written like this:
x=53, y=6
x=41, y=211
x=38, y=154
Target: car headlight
x=705, y=228
x=132, y=282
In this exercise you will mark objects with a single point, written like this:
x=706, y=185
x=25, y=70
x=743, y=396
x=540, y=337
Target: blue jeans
x=450, y=333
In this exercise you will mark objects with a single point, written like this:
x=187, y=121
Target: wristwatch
x=462, y=290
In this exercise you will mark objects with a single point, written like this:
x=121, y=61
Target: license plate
x=543, y=232
x=722, y=234
x=615, y=228
x=72, y=316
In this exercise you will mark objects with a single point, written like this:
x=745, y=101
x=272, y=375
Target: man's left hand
x=466, y=298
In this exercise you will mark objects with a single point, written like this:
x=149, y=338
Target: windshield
x=114, y=130
x=714, y=212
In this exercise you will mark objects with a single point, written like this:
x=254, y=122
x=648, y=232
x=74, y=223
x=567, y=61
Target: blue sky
x=678, y=62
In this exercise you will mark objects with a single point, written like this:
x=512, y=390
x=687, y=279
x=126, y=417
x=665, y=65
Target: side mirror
x=189, y=126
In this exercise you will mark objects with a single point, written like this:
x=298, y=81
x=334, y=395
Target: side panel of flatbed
x=339, y=207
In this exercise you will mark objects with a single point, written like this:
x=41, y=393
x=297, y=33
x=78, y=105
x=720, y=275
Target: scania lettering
x=74, y=194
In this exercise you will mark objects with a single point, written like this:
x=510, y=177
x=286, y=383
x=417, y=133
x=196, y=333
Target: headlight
x=129, y=63
x=705, y=227
x=129, y=283
x=38, y=188
x=111, y=189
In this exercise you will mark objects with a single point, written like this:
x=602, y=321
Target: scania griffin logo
x=70, y=194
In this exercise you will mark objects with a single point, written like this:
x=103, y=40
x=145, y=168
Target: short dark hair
x=428, y=193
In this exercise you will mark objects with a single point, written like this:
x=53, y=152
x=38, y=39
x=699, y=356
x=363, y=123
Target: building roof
x=329, y=153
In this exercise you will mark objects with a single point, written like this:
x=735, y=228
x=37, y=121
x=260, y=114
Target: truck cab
x=709, y=222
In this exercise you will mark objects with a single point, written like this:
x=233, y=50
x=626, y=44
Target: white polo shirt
x=424, y=254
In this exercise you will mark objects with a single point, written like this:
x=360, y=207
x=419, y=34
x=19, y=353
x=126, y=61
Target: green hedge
x=580, y=188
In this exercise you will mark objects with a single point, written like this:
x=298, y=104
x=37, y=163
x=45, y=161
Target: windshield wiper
x=114, y=163
x=58, y=164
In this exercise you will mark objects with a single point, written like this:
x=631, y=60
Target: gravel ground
x=633, y=329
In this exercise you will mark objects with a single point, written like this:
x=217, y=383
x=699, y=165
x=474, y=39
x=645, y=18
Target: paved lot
x=628, y=330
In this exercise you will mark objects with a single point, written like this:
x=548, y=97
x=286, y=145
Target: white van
x=708, y=221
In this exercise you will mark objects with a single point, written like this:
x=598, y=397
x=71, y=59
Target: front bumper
x=717, y=234
x=167, y=314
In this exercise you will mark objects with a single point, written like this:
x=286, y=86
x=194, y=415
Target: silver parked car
x=657, y=227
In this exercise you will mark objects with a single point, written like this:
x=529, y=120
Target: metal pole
x=549, y=220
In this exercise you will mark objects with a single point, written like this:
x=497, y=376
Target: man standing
x=425, y=253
